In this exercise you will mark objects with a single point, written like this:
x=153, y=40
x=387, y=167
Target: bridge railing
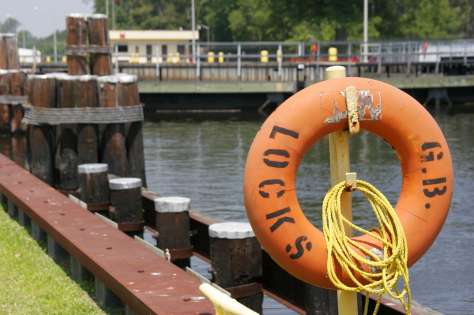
x=297, y=52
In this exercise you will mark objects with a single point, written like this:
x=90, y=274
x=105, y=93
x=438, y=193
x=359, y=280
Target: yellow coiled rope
x=380, y=271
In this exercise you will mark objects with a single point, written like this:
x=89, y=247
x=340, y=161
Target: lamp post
x=193, y=26
x=366, y=28
x=55, y=47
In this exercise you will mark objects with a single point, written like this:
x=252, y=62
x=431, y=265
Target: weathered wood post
x=135, y=151
x=236, y=260
x=172, y=223
x=5, y=146
x=19, y=147
x=17, y=88
x=8, y=52
x=76, y=44
x=88, y=134
x=3, y=50
x=5, y=76
x=66, y=157
x=99, y=46
x=114, y=151
x=126, y=204
x=340, y=165
x=94, y=186
x=41, y=93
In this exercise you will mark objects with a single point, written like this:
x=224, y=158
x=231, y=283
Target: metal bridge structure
x=426, y=68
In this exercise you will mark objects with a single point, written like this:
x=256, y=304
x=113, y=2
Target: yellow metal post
x=210, y=57
x=220, y=57
x=340, y=165
x=264, y=56
x=332, y=52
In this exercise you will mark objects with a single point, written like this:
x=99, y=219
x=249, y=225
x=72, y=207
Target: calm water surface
x=204, y=160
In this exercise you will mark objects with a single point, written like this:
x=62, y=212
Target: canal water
x=205, y=160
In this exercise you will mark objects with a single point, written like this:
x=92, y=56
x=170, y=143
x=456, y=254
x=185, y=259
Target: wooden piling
x=19, y=147
x=8, y=52
x=5, y=107
x=12, y=209
x=66, y=157
x=107, y=299
x=17, y=88
x=6, y=145
x=41, y=93
x=12, y=52
x=94, y=186
x=172, y=223
x=114, y=151
x=128, y=91
x=76, y=42
x=4, y=51
x=236, y=260
x=87, y=134
x=126, y=204
x=100, y=57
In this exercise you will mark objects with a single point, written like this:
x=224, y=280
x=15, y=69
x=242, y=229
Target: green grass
x=30, y=282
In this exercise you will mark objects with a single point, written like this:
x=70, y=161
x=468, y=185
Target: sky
x=42, y=17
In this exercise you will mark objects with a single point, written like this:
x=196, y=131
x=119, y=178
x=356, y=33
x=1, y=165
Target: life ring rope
x=381, y=270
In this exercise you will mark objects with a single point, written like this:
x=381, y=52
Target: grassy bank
x=30, y=282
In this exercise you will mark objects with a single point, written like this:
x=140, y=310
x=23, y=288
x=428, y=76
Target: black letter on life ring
x=299, y=247
x=430, y=156
x=281, y=220
x=264, y=194
x=276, y=164
x=284, y=131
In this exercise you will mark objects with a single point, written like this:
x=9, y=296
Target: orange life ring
x=278, y=148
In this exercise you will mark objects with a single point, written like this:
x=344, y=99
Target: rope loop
x=381, y=270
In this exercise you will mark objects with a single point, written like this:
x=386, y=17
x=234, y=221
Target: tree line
x=279, y=20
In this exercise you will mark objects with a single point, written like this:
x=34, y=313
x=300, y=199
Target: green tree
x=301, y=20
x=10, y=25
x=250, y=20
x=433, y=19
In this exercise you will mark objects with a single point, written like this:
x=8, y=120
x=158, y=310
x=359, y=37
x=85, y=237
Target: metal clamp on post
x=351, y=181
x=75, y=50
x=352, y=114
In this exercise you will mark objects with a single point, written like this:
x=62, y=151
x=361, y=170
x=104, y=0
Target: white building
x=153, y=46
x=29, y=55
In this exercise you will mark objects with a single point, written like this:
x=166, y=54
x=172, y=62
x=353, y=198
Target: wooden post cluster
x=57, y=150
x=236, y=260
x=58, y=147
x=172, y=223
x=126, y=204
x=88, y=44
